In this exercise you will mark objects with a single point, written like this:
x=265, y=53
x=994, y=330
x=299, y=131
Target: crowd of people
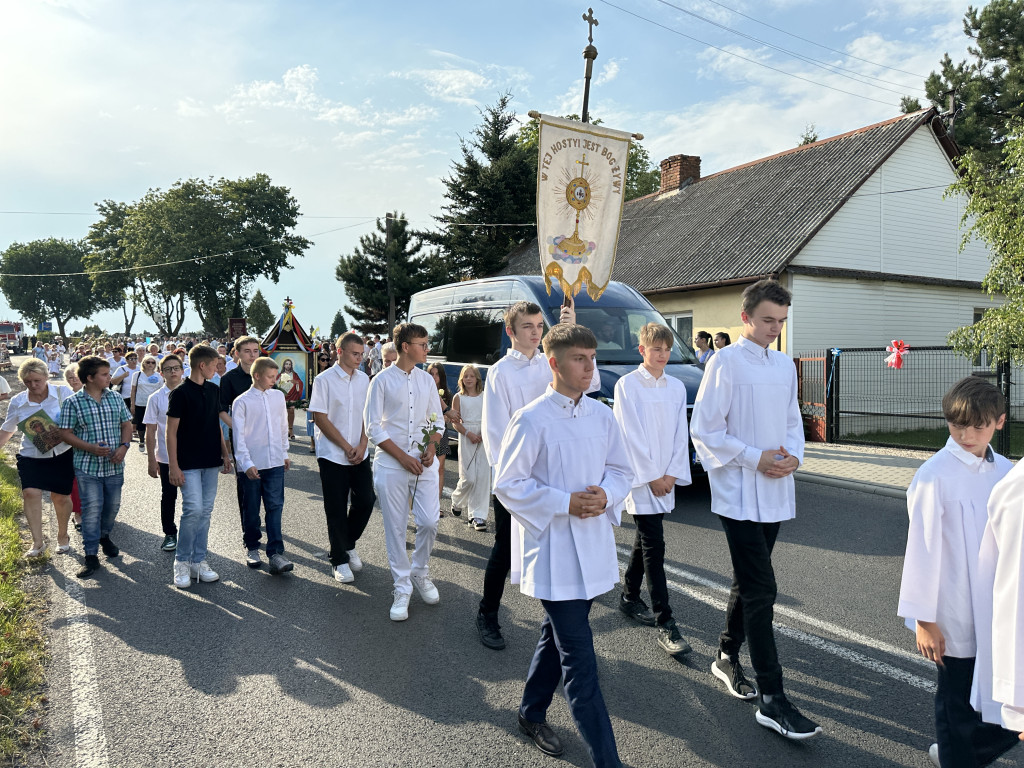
x=562, y=468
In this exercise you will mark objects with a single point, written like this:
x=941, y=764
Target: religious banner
x=581, y=179
x=291, y=348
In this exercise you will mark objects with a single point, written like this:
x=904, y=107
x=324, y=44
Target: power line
x=833, y=68
x=812, y=42
x=744, y=58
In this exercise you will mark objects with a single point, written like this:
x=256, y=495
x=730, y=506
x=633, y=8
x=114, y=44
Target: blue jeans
x=270, y=489
x=197, y=497
x=566, y=648
x=101, y=499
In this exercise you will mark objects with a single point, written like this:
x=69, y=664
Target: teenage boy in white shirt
x=749, y=434
x=155, y=420
x=651, y=410
x=337, y=401
x=401, y=403
x=520, y=377
x=940, y=596
x=563, y=473
x=259, y=418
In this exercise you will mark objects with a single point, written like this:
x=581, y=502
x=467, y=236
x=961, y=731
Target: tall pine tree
x=364, y=274
x=492, y=186
x=258, y=314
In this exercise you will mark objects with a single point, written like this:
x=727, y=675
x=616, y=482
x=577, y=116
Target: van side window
x=474, y=336
x=436, y=325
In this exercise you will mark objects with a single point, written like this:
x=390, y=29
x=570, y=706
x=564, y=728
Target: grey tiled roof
x=748, y=221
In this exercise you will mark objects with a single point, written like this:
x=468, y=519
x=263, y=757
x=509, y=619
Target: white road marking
x=821, y=644
x=90, y=734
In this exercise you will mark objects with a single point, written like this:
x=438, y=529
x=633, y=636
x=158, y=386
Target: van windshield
x=616, y=329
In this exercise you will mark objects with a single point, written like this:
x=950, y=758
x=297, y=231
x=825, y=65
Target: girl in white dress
x=53, y=362
x=473, y=492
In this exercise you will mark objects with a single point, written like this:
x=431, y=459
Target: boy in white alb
x=259, y=428
x=941, y=589
x=563, y=474
x=651, y=410
x=520, y=377
x=401, y=403
x=999, y=676
x=155, y=420
x=749, y=434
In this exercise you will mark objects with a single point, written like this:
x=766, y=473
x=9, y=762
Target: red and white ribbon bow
x=898, y=350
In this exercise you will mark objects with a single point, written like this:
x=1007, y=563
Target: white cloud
x=607, y=73
x=460, y=86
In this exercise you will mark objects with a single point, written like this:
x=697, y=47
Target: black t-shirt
x=198, y=410
x=232, y=384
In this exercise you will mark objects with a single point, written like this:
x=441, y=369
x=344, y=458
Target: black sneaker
x=170, y=542
x=92, y=563
x=730, y=672
x=109, y=548
x=637, y=610
x=671, y=640
x=783, y=718
x=490, y=631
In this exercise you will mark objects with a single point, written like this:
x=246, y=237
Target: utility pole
x=589, y=54
x=391, y=292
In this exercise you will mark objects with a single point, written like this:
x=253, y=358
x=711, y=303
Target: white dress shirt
x=511, y=383
x=999, y=670
x=948, y=506
x=552, y=448
x=746, y=404
x=20, y=408
x=342, y=398
x=399, y=406
x=156, y=414
x=259, y=420
x=652, y=415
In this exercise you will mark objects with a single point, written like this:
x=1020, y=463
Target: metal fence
x=851, y=396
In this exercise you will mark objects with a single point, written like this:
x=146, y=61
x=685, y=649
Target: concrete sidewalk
x=884, y=471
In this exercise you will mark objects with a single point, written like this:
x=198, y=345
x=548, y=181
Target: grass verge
x=932, y=439
x=22, y=646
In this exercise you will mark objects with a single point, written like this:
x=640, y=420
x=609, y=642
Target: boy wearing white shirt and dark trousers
x=941, y=593
x=337, y=401
x=155, y=419
x=651, y=410
x=749, y=434
x=402, y=403
x=520, y=377
x=563, y=474
x=259, y=419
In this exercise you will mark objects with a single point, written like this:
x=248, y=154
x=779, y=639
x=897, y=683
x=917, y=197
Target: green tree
x=93, y=331
x=987, y=86
x=258, y=314
x=109, y=267
x=339, y=326
x=493, y=184
x=995, y=214
x=810, y=134
x=58, y=287
x=909, y=104
x=364, y=274
x=642, y=178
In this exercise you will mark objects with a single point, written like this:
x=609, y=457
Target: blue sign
x=45, y=327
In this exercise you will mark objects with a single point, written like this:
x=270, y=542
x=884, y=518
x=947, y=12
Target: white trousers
x=394, y=487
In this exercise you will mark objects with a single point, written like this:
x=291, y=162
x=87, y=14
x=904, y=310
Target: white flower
x=433, y=417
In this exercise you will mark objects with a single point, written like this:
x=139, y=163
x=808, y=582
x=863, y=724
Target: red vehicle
x=11, y=332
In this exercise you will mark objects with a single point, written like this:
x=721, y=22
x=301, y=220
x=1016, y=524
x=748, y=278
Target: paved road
x=300, y=671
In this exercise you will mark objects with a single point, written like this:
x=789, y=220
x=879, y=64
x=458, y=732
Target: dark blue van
x=465, y=323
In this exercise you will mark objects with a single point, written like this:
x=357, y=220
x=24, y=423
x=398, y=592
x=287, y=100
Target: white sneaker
x=354, y=562
x=204, y=572
x=933, y=753
x=182, y=575
x=400, y=608
x=426, y=589
x=343, y=574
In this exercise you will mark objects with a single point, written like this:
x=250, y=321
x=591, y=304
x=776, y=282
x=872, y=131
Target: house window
x=682, y=324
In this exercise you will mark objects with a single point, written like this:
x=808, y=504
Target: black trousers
x=965, y=741
x=346, y=521
x=648, y=558
x=751, y=606
x=500, y=562
x=168, y=498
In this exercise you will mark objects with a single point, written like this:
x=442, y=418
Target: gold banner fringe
x=553, y=272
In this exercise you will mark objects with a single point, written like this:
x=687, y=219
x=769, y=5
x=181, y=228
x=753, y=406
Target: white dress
x=474, y=489
x=54, y=364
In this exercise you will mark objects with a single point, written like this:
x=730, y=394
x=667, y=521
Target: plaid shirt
x=95, y=423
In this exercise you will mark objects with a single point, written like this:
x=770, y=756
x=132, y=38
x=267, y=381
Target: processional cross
x=591, y=23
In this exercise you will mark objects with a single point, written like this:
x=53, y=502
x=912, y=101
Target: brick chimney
x=677, y=170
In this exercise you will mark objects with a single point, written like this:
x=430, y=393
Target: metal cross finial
x=591, y=23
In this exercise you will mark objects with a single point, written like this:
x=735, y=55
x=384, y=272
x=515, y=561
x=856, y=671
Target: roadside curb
x=864, y=486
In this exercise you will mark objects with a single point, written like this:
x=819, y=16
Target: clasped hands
x=777, y=463
x=588, y=503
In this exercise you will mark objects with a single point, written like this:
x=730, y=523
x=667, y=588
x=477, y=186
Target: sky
x=358, y=107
